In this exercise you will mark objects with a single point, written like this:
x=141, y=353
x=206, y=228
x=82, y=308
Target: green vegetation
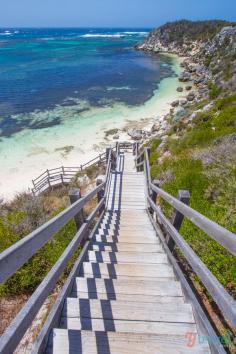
x=23, y=215
x=18, y=219
x=197, y=30
x=203, y=161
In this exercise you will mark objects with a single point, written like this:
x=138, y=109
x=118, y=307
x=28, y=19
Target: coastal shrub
x=208, y=126
x=214, y=90
x=20, y=217
x=154, y=153
x=212, y=186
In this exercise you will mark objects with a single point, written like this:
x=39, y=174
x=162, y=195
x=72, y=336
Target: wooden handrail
x=44, y=179
x=224, y=301
x=221, y=235
x=15, y=256
x=11, y=337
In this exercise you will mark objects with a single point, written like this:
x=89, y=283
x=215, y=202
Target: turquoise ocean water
x=66, y=87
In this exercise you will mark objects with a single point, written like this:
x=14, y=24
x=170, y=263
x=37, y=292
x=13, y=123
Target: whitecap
x=136, y=33
x=89, y=35
x=111, y=88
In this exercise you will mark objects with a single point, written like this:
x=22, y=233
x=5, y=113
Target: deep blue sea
x=41, y=68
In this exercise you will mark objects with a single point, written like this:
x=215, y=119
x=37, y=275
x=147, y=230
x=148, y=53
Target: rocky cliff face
x=208, y=46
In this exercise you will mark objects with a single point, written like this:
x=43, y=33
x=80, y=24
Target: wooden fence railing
x=62, y=175
x=14, y=257
x=18, y=254
x=170, y=228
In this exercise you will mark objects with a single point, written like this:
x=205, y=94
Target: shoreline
x=72, y=144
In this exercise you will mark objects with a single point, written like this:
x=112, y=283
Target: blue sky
x=110, y=13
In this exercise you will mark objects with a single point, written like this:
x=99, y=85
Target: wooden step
x=64, y=341
x=113, y=271
x=127, y=239
x=94, y=324
x=129, y=311
x=127, y=247
x=127, y=257
x=128, y=233
x=132, y=228
x=167, y=287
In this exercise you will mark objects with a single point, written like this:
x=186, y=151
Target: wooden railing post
x=100, y=194
x=153, y=195
x=113, y=160
x=107, y=154
x=177, y=217
x=74, y=195
x=156, y=183
x=117, y=148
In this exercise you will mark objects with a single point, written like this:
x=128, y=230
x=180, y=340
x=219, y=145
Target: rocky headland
x=208, y=50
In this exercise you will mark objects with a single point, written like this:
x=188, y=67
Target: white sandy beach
x=27, y=154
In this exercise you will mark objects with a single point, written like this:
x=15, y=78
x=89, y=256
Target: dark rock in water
x=135, y=134
x=179, y=89
x=188, y=88
x=175, y=103
x=191, y=96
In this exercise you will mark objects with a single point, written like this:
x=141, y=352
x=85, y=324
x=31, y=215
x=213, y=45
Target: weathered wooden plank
x=87, y=342
x=127, y=257
x=130, y=297
x=127, y=239
x=129, y=233
x=127, y=247
x=121, y=286
x=130, y=311
x=105, y=270
x=123, y=326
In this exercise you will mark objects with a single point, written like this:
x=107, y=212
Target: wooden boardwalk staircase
x=126, y=293
x=126, y=298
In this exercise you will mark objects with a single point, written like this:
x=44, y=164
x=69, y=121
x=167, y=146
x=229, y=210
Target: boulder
x=188, y=88
x=185, y=76
x=199, y=80
x=116, y=137
x=191, y=96
x=179, y=89
x=183, y=102
x=155, y=127
x=135, y=134
x=175, y=103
